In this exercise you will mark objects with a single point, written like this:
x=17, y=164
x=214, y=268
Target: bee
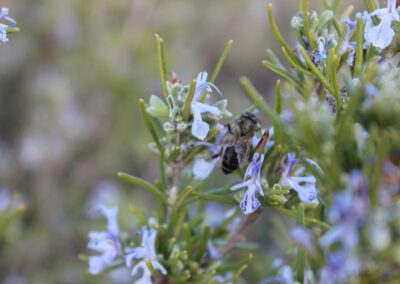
x=236, y=142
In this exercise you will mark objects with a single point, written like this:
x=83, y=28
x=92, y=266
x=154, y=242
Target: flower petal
x=307, y=192
x=158, y=266
x=96, y=265
x=201, y=108
x=249, y=203
x=202, y=168
x=381, y=36
x=200, y=129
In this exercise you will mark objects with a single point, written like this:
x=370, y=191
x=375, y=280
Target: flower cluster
x=348, y=213
x=113, y=250
x=108, y=243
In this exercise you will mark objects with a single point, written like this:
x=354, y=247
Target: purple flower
x=200, y=128
x=381, y=36
x=4, y=27
x=303, y=238
x=347, y=45
x=341, y=265
x=5, y=199
x=250, y=203
x=320, y=55
x=107, y=243
x=305, y=186
x=347, y=213
x=146, y=252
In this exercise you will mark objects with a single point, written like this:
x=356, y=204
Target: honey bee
x=236, y=142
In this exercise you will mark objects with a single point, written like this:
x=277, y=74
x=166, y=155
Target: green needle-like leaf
x=162, y=64
x=253, y=95
x=188, y=102
x=359, y=51
x=276, y=31
x=300, y=256
x=285, y=74
x=145, y=185
x=221, y=61
x=317, y=72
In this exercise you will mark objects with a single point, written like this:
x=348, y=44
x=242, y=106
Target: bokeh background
x=69, y=119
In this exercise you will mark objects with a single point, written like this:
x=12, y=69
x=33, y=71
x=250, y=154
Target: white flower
x=146, y=252
x=305, y=186
x=381, y=36
x=199, y=127
x=250, y=203
x=107, y=243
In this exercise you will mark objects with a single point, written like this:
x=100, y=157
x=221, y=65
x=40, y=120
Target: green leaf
x=157, y=107
x=285, y=74
x=316, y=71
x=162, y=64
x=277, y=33
x=182, y=197
x=253, y=95
x=359, y=50
x=214, y=197
x=221, y=61
x=149, y=125
x=300, y=256
x=294, y=64
x=139, y=215
x=188, y=102
x=202, y=246
x=145, y=185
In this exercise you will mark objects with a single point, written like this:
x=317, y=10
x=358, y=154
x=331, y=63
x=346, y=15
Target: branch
x=241, y=233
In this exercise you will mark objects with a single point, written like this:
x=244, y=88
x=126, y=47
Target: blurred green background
x=69, y=120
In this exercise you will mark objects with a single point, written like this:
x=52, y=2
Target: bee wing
x=227, y=140
x=243, y=152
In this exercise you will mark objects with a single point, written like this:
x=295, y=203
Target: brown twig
x=241, y=233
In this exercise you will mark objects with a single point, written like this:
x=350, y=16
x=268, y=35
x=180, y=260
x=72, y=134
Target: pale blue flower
x=250, y=203
x=201, y=128
x=381, y=36
x=107, y=243
x=146, y=252
x=305, y=186
x=320, y=55
x=303, y=238
x=3, y=27
x=202, y=168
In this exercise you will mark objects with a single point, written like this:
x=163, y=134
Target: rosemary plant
x=330, y=162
